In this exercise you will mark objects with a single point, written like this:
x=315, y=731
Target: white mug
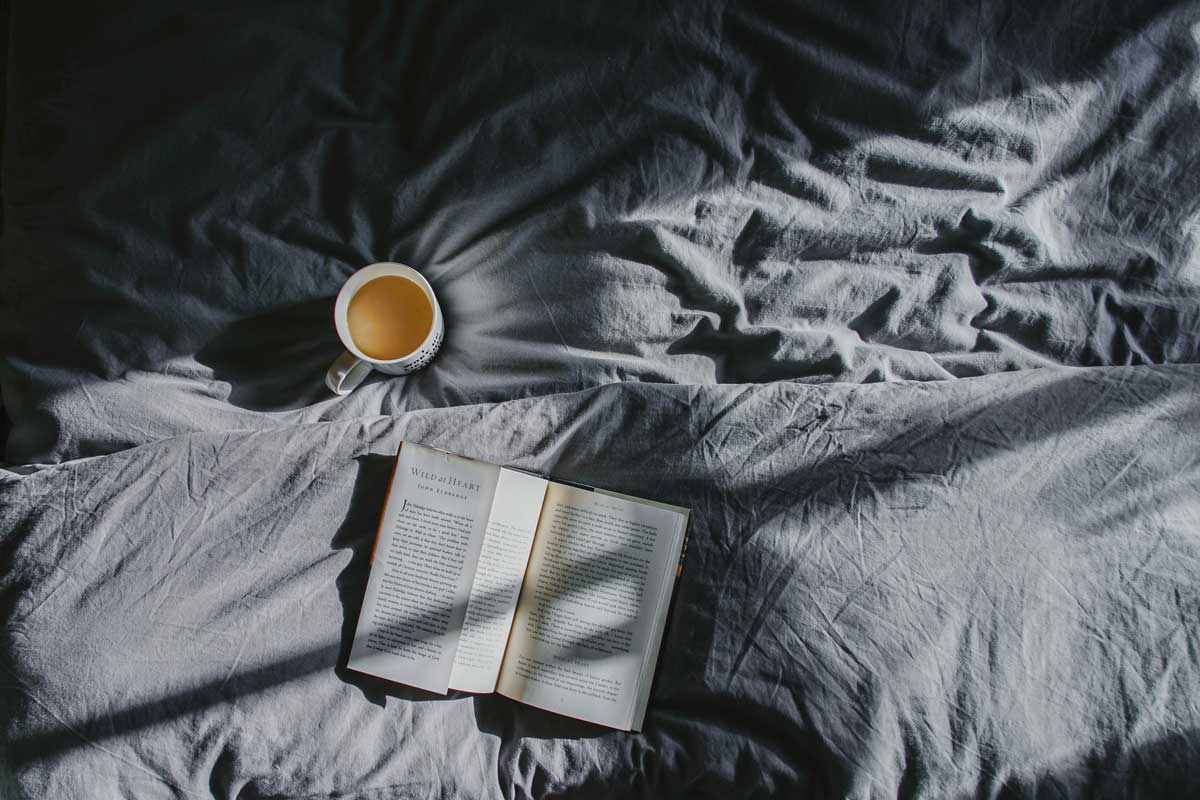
x=351, y=367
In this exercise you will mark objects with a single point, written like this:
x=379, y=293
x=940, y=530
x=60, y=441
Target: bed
x=903, y=302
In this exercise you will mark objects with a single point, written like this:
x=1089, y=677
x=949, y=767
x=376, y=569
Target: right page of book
x=593, y=605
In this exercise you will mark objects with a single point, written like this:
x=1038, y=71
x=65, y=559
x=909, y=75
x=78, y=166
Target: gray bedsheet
x=902, y=299
x=977, y=588
x=685, y=192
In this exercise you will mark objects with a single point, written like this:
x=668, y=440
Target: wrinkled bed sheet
x=732, y=256
x=978, y=588
x=695, y=192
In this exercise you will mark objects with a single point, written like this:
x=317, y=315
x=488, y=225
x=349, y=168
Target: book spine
x=382, y=514
x=687, y=535
x=572, y=484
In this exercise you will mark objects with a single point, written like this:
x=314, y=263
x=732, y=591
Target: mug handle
x=346, y=373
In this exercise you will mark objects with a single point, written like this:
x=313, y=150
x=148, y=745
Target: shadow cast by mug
x=273, y=361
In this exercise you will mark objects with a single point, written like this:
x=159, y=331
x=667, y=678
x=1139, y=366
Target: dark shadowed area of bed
x=903, y=300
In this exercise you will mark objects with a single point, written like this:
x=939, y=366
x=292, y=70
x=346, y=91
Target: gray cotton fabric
x=696, y=192
x=984, y=588
x=903, y=300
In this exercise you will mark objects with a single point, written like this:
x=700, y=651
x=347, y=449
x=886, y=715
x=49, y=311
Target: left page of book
x=423, y=566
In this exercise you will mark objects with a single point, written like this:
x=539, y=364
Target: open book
x=490, y=579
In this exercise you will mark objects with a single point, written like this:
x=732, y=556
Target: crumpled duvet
x=684, y=192
x=983, y=588
x=903, y=300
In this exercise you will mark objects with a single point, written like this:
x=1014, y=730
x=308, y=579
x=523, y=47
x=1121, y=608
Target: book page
x=502, y=561
x=659, y=622
x=423, y=566
x=590, y=612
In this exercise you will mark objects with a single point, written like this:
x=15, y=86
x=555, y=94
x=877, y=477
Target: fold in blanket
x=973, y=588
x=687, y=192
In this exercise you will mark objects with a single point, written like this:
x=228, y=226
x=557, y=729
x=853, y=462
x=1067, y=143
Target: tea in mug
x=389, y=317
